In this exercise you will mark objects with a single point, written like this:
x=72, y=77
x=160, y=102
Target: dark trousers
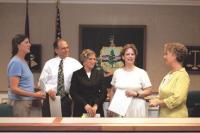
x=66, y=103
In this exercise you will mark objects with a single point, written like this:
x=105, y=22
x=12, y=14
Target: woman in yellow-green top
x=174, y=86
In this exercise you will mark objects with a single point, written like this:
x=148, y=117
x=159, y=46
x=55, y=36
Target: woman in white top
x=134, y=80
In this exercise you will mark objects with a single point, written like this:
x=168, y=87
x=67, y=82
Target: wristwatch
x=137, y=94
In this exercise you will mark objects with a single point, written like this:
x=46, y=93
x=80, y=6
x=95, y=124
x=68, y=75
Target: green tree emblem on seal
x=112, y=58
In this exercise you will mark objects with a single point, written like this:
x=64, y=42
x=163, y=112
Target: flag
x=26, y=32
x=27, y=21
x=58, y=27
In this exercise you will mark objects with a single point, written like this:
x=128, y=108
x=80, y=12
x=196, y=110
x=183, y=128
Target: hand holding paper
x=120, y=102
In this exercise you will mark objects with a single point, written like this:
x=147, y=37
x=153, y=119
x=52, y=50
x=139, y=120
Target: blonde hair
x=177, y=49
x=85, y=54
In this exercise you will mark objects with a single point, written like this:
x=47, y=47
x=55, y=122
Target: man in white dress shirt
x=49, y=77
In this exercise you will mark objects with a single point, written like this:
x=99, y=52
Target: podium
x=54, y=124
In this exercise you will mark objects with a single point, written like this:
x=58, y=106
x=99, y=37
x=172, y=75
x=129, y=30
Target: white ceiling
x=136, y=2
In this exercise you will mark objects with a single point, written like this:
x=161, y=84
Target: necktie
x=61, y=86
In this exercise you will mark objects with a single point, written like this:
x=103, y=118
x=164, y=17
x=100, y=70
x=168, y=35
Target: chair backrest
x=193, y=103
x=6, y=110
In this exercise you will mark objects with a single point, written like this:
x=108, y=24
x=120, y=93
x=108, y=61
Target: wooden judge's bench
x=54, y=124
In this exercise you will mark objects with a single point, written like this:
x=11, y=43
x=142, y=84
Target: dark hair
x=55, y=44
x=127, y=46
x=178, y=49
x=16, y=41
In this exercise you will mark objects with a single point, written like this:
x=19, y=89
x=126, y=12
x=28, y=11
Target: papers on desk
x=120, y=102
x=85, y=115
x=55, y=107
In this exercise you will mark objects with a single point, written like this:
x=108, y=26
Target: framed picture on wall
x=34, y=58
x=192, y=62
x=107, y=41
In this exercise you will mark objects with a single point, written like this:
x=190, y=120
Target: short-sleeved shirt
x=19, y=68
x=136, y=80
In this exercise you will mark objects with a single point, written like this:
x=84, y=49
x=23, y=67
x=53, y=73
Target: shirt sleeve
x=46, y=77
x=145, y=80
x=77, y=65
x=15, y=69
x=179, y=92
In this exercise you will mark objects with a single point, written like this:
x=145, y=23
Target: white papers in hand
x=55, y=107
x=120, y=102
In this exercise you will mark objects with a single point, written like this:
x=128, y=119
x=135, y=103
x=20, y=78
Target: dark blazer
x=86, y=90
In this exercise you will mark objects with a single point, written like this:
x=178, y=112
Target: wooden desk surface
x=98, y=124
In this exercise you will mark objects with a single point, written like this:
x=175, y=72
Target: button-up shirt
x=49, y=75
